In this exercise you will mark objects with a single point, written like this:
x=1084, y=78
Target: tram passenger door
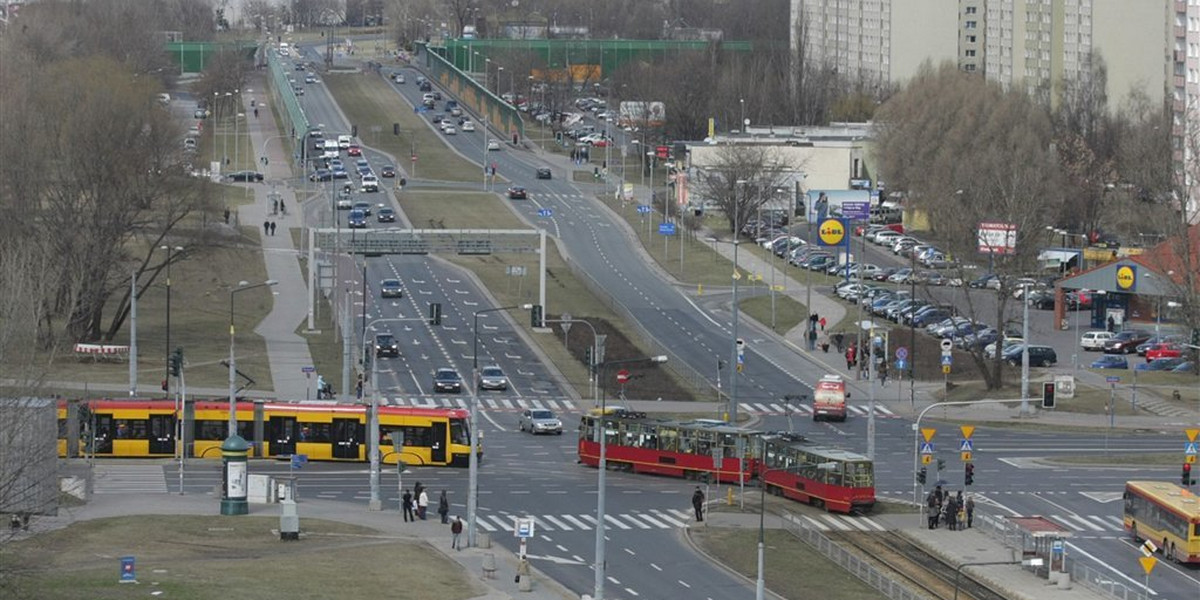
x=346, y=438
x=162, y=434
x=437, y=446
x=281, y=434
x=103, y=435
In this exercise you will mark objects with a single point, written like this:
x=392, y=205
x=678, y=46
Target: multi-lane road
x=540, y=477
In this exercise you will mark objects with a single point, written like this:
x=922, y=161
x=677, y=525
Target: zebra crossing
x=1089, y=523
x=492, y=404
x=657, y=520
x=128, y=479
x=804, y=410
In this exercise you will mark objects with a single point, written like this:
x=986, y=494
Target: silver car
x=539, y=420
x=492, y=378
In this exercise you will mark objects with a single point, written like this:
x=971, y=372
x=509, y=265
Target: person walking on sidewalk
x=422, y=505
x=838, y=342
x=266, y=228
x=406, y=504
x=970, y=511
x=444, y=508
x=272, y=228
x=455, y=531
x=883, y=373
x=850, y=355
x=698, y=504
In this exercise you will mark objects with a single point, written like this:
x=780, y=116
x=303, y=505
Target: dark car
x=365, y=207
x=321, y=175
x=1161, y=364
x=250, y=176
x=1041, y=299
x=386, y=345
x=425, y=86
x=387, y=171
x=386, y=215
x=543, y=173
x=357, y=220
x=1126, y=342
x=391, y=288
x=1039, y=356
x=446, y=379
x=1145, y=346
x=517, y=192
x=1110, y=361
x=341, y=174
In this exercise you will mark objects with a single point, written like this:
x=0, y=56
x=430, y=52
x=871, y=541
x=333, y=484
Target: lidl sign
x=832, y=232
x=1127, y=278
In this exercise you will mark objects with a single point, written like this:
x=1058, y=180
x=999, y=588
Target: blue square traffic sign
x=666, y=228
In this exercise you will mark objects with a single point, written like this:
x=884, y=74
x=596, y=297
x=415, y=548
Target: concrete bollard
x=489, y=566
x=524, y=581
x=483, y=540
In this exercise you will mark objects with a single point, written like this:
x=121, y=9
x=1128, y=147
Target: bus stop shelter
x=1042, y=538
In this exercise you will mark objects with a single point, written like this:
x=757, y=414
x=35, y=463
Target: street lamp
x=373, y=424
x=760, y=583
x=241, y=287
x=599, y=567
x=473, y=458
x=167, y=378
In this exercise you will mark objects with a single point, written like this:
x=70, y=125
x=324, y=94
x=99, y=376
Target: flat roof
x=1040, y=526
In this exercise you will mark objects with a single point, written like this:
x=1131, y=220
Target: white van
x=343, y=142
x=1094, y=340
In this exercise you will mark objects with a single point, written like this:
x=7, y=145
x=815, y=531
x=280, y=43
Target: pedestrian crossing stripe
x=493, y=404
x=129, y=479
x=806, y=410
x=658, y=520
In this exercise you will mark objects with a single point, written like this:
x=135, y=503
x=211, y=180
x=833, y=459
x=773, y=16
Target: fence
x=847, y=560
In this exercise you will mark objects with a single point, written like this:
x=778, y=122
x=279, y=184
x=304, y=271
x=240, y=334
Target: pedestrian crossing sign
x=965, y=446
x=926, y=447
x=1191, y=448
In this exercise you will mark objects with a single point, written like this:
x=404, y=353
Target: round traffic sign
x=947, y=345
x=901, y=353
x=832, y=232
x=622, y=376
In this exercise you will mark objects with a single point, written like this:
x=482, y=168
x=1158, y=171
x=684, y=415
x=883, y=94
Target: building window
x=970, y=39
x=970, y=10
x=969, y=68
x=970, y=24
x=970, y=53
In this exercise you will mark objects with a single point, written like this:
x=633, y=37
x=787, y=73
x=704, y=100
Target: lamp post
x=599, y=566
x=473, y=458
x=499, y=79
x=760, y=582
x=735, y=359
x=373, y=453
x=167, y=378
x=241, y=287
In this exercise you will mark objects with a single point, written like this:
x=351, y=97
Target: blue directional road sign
x=643, y=209
x=901, y=364
x=666, y=228
x=965, y=446
x=1112, y=379
x=901, y=353
x=857, y=211
x=947, y=360
x=926, y=447
x=299, y=460
x=545, y=212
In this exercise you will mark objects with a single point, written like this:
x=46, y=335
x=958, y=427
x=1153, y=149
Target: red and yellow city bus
x=832, y=478
x=320, y=430
x=677, y=449
x=1165, y=514
x=829, y=399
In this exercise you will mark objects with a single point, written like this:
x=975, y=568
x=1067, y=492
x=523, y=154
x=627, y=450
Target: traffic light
x=969, y=475
x=587, y=357
x=1048, y=395
x=354, y=130
x=435, y=313
x=535, y=317
x=395, y=129
x=941, y=464
x=1185, y=478
x=175, y=362
x=922, y=474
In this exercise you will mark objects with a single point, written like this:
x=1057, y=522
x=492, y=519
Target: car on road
x=354, y=150
x=467, y=126
x=387, y=171
x=543, y=173
x=1126, y=342
x=450, y=130
x=493, y=145
x=1094, y=340
x=298, y=90
x=1161, y=364
x=310, y=79
x=1110, y=361
x=345, y=200
x=517, y=192
x=386, y=215
x=398, y=77
x=200, y=113
x=249, y=176
x=357, y=219
x=386, y=345
x=492, y=377
x=447, y=380
x=341, y=174
x=365, y=207
x=539, y=420
x=321, y=175
x=370, y=183
x=1039, y=356
x=344, y=141
x=391, y=288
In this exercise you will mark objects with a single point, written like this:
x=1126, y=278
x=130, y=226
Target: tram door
x=437, y=446
x=346, y=438
x=103, y=435
x=281, y=434
x=162, y=434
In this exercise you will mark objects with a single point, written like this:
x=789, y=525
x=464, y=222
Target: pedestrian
x=358, y=388
x=850, y=357
x=444, y=508
x=422, y=504
x=255, y=113
x=455, y=531
x=1112, y=324
x=417, y=490
x=838, y=340
x=812, y=339
x=266, y=228
x=970, y=511
x=274, y=205
x=931, y=510
x=822, y=322
x=403, y=182
x=406, y=504
x=226, y=216
x=883, y=373
x=282, y=208
x=825, y=344
x=272, y=228
x=698, y=504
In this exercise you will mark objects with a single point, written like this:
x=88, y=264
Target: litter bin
x=289, y=521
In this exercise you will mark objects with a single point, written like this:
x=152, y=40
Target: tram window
x=314, y=432
x=131, y=429
x=668, y=440
x=210, y=430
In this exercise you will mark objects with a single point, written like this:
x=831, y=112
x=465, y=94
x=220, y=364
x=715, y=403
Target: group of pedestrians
x=268, y=227
x=416, y=503
x=955, y=512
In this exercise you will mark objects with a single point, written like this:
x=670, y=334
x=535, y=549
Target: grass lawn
x=368, y=102
x=788, y=312
x=203, y=558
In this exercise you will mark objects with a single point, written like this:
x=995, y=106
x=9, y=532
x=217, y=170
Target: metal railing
x=856, y=566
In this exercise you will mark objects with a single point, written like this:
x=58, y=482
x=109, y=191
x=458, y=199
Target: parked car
x=1126, y=342
x=1161, y=364
x=1163, y=350
x=1042, y=299
x=989, y=351
x=1039, y=356
x=391, y=288
x=539, y=420
x=1094, y=340
x=1110, y=361
x=492, y=377
x=1158, y=339
x=248, y=176
x=386, y=345
x=447, y=380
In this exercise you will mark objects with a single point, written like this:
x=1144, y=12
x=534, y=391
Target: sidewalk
x=286, y=350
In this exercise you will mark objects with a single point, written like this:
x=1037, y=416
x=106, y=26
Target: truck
x=829, y=399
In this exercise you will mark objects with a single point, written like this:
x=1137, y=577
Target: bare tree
x=759, y=168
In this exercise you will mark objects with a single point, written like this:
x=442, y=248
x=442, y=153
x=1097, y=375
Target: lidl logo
x=832, y=232
x=1126, y=278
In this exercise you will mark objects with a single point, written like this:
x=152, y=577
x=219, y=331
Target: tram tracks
x=915, y=566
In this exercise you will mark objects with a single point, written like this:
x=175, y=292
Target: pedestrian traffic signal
x=1185, y=478
x=1048, y=395
x=435, y=313
x=941, y=464
x=922, y=474
x=535, y=317
x=587, y=357
x=969, y=475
